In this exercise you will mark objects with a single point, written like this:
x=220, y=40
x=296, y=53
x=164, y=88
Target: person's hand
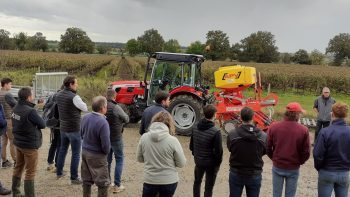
x=40, y=101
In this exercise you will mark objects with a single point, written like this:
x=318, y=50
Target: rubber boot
x=86, y=190
x=16, y=183
x=29, y=188
x=102, y=192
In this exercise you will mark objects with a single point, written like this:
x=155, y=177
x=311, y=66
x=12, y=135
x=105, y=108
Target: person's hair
x=209, y=111
x=110, y=94
x=69, y=80
x=161, y=96
x=325, y=88
x=5, y=81
x=165, y=118
x=340, y=110
x=98, y=103
x=292, y=115
x=24, y=93
x=247, y=114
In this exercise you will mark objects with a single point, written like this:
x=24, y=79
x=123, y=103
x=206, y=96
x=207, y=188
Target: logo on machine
x=231, y=75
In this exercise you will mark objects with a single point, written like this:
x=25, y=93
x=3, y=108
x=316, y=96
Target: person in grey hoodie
x=162, y=153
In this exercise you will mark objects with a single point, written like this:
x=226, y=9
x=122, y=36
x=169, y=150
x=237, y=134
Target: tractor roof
x=178, y=57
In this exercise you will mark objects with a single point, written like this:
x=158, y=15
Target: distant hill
x=111, y=44
x=54, y=43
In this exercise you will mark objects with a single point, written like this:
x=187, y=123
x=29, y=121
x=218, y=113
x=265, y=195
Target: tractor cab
x=172, y=72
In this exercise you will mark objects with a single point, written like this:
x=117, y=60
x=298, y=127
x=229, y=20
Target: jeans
x=327, y=181
x=117, y=149
x=210, y=177
x=319, y=126
x=278, y=178
x=54, y=147
x=74, y=139
x=150, y=190
x=237, y=182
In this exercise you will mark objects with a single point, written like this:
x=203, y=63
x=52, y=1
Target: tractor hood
x=121, y=84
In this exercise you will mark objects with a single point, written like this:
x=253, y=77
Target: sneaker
x=50, y=167
x=6, y=164
x=60, y=176
x=76, y=181
x=117, y=189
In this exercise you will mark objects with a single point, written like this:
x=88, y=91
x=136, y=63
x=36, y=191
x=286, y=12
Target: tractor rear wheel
x=186, y=111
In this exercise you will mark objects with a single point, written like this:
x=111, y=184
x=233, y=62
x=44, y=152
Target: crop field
x=300, y=83
x=292, y=82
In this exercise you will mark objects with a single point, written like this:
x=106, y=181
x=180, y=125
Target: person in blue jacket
x=332, y=155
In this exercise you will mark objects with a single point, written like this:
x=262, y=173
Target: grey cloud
x=307, y=24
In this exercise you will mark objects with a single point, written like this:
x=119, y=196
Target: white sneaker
x=50, y=167
x=117, y=189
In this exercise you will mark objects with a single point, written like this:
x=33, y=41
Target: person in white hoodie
x=162, y=153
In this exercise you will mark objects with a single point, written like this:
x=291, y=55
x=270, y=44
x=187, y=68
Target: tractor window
x=188, y=74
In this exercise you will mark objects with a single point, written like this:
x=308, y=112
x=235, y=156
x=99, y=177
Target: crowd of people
x=98, y=135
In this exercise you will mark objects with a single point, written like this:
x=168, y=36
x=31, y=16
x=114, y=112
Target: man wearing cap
x=288, y=145
x=323, y=107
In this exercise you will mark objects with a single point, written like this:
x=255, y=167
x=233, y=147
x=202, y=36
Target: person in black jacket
x=55, y=137
x=162, y=102
x=206, y=147
x=27, y=125
x=116, y=118
x=70, y=105
x=247, y=145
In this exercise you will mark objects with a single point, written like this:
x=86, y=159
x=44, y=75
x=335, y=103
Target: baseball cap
x=294, y=107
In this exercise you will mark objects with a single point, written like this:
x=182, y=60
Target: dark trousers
x=94, y=169
x=150, y=190
x=237, y=182
x=210, y=177
x=319, y=125
x=54, y=147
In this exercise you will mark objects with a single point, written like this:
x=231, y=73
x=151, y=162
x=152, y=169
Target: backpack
x=50, y=114
x=3, y=123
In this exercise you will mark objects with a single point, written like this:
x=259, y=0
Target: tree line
x=257, y=47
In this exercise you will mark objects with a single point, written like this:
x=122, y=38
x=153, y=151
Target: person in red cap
x=288, y=145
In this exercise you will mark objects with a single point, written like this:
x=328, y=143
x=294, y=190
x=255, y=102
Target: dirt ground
x=47, y=185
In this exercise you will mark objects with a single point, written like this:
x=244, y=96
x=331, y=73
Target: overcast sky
x=296, y=24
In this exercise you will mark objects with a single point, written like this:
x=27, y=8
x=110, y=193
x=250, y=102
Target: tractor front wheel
x=186, y=111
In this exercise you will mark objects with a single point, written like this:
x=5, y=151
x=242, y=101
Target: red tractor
x=180, y=75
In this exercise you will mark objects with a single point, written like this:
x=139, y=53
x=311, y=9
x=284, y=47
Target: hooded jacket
x=247, y=145
x=161, y=153
x=206, y=144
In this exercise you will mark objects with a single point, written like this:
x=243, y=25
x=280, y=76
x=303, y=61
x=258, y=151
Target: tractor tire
x=133, y=118
x=186, y=111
